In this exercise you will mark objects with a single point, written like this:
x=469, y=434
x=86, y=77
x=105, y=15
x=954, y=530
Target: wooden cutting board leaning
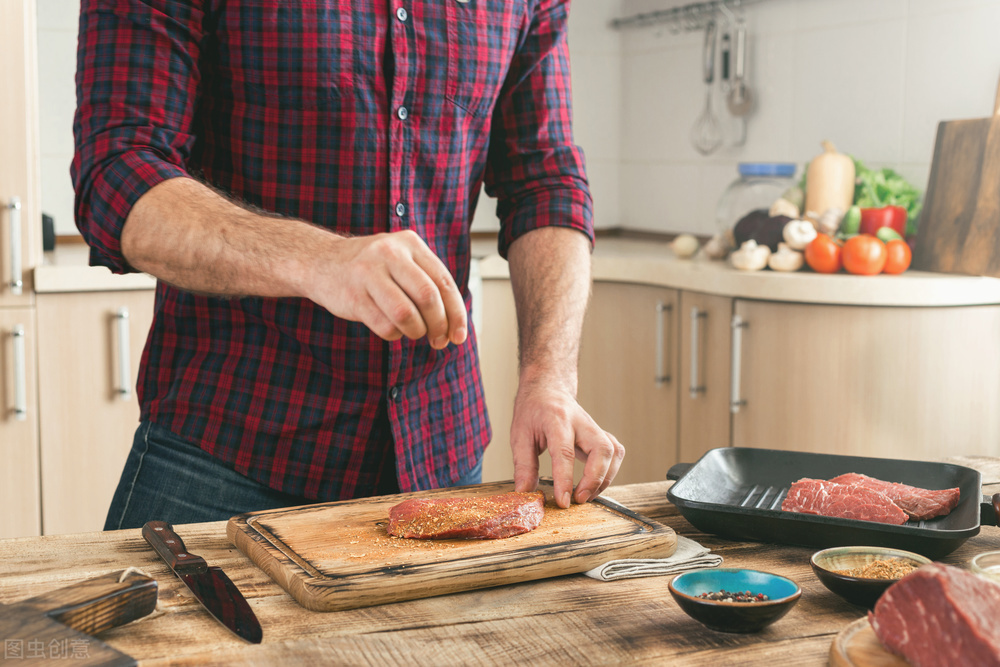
x=959, y=230
x=857, y=646
x=57, y=626
x=338, y=555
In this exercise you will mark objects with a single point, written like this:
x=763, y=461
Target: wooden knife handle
x=171, y=549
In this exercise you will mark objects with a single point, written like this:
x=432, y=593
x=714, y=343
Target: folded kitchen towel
x=689, y=556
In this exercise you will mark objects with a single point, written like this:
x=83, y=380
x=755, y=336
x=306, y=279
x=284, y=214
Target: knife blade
x=216, y=592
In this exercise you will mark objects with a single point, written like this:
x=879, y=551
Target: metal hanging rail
x=683, y=18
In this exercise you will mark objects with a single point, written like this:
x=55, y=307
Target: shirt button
x=393, y=393
x=400, y=209
x=401, y=14
x=402, y=113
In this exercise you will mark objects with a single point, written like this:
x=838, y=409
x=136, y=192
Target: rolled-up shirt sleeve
x=534, y=169
x=137, y=85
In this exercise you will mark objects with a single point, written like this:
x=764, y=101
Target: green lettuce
x=885, y=187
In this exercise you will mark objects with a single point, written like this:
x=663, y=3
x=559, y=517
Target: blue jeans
x=169, y=479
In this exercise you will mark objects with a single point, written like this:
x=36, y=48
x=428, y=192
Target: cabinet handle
x=20, y=375
x=124, y=355
x=16, y=274
x=735, y=401
x=662, y=372
x=696, y=315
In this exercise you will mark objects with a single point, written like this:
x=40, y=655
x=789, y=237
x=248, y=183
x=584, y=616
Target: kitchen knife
x=209, y=584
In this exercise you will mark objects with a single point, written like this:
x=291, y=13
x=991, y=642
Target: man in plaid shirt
x=301, y=177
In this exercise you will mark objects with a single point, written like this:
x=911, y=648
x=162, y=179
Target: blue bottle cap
x=782, y=169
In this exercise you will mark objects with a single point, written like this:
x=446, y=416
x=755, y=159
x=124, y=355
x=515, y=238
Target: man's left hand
x=548, y=417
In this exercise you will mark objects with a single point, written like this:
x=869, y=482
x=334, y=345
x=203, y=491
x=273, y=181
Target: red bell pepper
x=874, y=219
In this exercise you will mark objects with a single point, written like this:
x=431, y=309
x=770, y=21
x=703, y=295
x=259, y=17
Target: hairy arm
x=188, y=235
x=550, y=276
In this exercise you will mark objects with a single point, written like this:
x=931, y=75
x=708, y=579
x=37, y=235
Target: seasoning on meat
x=919, y=504
x=477, y=518
x=940, y=615
x=818, y=496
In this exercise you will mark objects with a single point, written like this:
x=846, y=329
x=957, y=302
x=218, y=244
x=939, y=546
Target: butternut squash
x=829, y=182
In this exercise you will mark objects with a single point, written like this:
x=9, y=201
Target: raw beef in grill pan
x=919, y=504
x=827, y=498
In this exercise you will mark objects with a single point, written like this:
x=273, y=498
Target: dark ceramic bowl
x=856, y=590
x=783, y=593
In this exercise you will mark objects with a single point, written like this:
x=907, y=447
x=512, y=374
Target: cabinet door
x=910, y=383
x=705, y=368
x=89, y=411
x=628, y=374
x=20, y=219
x=19, y=486
x=498, y=361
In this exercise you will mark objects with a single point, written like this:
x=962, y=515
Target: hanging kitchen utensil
x=740, y=99
x=706, y=135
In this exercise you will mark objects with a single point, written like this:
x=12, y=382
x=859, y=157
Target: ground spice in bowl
x=888, y=568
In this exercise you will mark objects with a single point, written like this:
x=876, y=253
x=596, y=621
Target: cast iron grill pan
x=736, y=492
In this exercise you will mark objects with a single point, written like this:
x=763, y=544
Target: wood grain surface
x=57, y=625
x=857, y=646
x=959, y=230
x=559, y=621
x=336, y=556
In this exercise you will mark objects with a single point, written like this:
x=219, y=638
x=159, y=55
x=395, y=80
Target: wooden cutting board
x=857, y=646
x=959, y=228
x=335, y=556
x=56, y=627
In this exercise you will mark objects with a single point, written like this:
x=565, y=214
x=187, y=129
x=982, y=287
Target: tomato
x=823, y=254
x=898, y=256
x=864, y=255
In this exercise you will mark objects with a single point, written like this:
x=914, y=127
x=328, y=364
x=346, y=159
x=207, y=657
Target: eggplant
x=758, y=226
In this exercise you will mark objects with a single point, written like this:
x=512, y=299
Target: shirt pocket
x=482, y=38
x=293, y=56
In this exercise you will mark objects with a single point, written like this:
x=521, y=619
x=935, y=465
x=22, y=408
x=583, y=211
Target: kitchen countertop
x=642, y=262
x=566, y=620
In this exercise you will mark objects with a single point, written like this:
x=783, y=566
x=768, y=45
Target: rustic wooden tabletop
x=567, y=620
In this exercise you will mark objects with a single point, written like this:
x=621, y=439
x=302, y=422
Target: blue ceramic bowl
x=783, y=593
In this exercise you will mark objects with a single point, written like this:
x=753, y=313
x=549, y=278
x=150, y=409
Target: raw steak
x=940, y=615
x=919, y=503
x=477, y=518
x=818, y=496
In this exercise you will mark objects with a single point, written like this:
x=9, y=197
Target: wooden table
x=571, y=620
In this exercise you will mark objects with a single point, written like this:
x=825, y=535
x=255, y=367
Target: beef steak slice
x=819, y=496
x=919, y=504
x=476, y=518
x=940, y=615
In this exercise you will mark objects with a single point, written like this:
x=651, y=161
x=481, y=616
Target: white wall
x=873, y=77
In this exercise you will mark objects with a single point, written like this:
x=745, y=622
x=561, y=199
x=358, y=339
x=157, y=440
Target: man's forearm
x=186, y=234
x=550, y=276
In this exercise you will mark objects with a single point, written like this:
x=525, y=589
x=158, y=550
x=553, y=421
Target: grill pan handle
x=678, y=470
x=989, y=511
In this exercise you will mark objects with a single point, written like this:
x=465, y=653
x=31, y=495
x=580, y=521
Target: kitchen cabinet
x=20, y=189
x=19, y=483
x=628, y=374
x=704, y=361
x=88, y=355
x=910, y=383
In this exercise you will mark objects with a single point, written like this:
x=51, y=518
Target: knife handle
x=171, y=549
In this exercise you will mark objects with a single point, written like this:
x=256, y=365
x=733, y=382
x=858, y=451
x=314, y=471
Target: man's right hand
x=394, y=284
x=192, y=237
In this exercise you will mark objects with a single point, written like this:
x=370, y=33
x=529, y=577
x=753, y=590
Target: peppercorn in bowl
x=731, y=600
x=861, y=574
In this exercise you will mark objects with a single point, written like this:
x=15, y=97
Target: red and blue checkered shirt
x=359, y=116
